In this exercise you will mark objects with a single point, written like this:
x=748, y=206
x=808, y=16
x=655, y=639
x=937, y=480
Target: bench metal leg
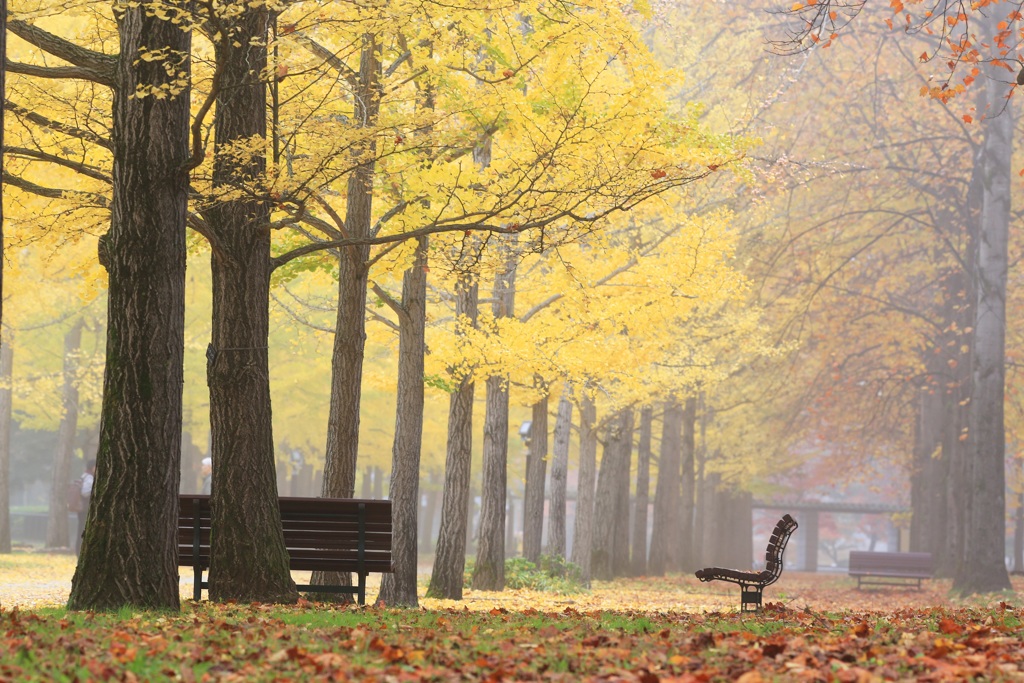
x=750, y=598
x=362, y=589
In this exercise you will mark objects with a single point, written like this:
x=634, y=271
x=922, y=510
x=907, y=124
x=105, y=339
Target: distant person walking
x=207, y=472
x=86, y=496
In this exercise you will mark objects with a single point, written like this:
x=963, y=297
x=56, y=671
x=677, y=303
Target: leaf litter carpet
x=816, y=627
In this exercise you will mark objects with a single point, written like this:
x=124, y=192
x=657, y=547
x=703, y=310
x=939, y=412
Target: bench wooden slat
x=871, y=568
x=325, y=534
x=751, y=583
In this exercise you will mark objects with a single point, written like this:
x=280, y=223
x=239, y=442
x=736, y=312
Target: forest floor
x=816, y=627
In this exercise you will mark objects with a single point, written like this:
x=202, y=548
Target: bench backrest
x=319, y=533
x=909, y=564
x=777, y=546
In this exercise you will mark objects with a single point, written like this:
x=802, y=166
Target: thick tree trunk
x=583, y=530
x=130, y=549
x=489, y=571
x=665, y=550
x=6, y=369
x=638, y=565
x=606, y=506
x=983, y=568
x=340, y=463
x=399, y=588
x=57, y=534
x=559, y=475
x=536, y=470
x=688, y=449
x=450, y=559
x=248, y=559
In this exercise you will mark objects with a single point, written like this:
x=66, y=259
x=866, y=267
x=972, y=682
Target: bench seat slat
x=325, y=534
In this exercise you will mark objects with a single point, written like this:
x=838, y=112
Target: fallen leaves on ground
x=815, y=627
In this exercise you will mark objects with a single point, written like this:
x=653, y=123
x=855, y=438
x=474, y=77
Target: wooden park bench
x=325, y=534
x=890, y=569
x=752, y=583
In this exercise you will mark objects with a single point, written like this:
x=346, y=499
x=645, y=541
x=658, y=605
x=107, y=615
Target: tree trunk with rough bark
x=6, y=371
x=399, y=588
x=559, y=476
x=450, y=560
x=57, y=533
x=248, y=559
x=983, y=568
x=130, y=548
x=350, y=327
x=665, y=551
x=536, y=470
x=583, y=530
x=688, y=448
x=489, y=571
x=638, y=566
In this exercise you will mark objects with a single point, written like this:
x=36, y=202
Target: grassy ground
x=817, y=627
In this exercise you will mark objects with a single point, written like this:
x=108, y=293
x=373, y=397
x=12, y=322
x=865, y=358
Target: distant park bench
x=752, y=583
x=320, y=534
x=890, y=569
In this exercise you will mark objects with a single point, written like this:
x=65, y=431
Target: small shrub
x=555, y=575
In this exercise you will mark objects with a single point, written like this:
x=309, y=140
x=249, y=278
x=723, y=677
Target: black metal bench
x=890, y=569
x=752, y=583
x=325, y=534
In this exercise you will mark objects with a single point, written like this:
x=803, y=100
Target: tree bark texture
x=559, y=476
x=130, y=548
x=6, y=371
x=450, y=559
x=638, y=564
x=489, y=571
x=57, y=534
x=583, y=531
x=665, y=550
x=350, y=327
x=688, y=448
x=248, y=559
x=536, y=470
x=983, y=569
x=399, y=588
x=608, y=499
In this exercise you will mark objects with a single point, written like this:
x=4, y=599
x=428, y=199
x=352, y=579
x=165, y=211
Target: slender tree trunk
x=536, y=470
x=6, y=371
x=248, y=559
x=559, y=475
x=399, y=588
x=643, y=473
x=342, y=452
x=583, y=532
x=450, y=559
x=984, y=567
x=665, y=552
x=433, y=499
x=1018, y=534
x=688, y=448
x=130, y=549
x=699, y=510
x=57, y=534
x=606, y=505
x=620, y=546
x=489, y=571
